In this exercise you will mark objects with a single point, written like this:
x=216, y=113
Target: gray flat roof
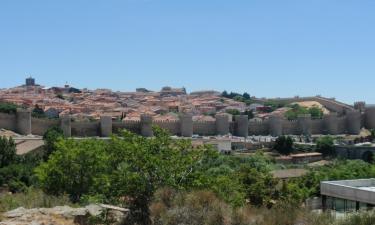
x=361, y=190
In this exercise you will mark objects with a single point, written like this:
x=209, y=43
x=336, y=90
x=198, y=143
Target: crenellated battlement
x=334, y=123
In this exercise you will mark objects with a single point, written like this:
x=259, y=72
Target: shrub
x=38, y=112
x=198, y=207
x=325, y=145
x=7, y=151
x=9, y=108
x=292, y=114
x=50, y=137
x=284, y=145
x=361, y=218
x=31, y=198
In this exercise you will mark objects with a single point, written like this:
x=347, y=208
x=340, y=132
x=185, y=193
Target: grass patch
x=31, y=198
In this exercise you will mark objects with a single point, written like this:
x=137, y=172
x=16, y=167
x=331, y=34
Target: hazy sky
x=267, y=48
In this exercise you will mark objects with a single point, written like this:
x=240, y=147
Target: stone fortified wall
x=349, y=123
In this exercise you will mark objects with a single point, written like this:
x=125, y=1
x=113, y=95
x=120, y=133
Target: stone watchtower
x=106, y=126
x=24, y=121
x=222, y=124
x=370, y=117
x=146, y=125
x=276, y=125
x=304, y=123
x=353, y=122
x=186, y=125
x=242, y=125
x=66, y=125
x=360, y=106
x=331, y=123
x=30, y=81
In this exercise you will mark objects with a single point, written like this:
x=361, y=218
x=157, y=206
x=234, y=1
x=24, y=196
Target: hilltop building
x=30, y=81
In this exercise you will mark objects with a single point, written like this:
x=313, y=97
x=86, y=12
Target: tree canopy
x=284, y=145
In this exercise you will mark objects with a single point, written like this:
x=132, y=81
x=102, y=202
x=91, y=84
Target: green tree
x=325, y=145
x=284, y=145
x=292, y=114
x=274, y=104
x=260, y=187
x=316, y=112
x=7, y=151
x=233, y=112
x=128, y=165
x=239, y=98
x=249, y=114
x=246, y=96
x=50, y=137
x=9, y=108
x=74, y=168
x=144, y=165
x=38, y=112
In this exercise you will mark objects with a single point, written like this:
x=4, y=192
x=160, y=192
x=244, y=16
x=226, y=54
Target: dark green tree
x=316, y=112
x=233, y=112
x=9, y=108
x=50, y=137
x=325, y=145
x=260, y=187
x=128, y=165
x=7, y=151
x=284, y=145
x=246, y=96
x=38, y=112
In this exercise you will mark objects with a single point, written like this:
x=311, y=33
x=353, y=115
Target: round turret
x=242, y=125
x=353, y=122
x=304, y=122
x=222, y=124
x=276, y=126
x=370, y=117
x=146, y=125
x=331, y=123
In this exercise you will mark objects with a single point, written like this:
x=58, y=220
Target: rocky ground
x=60, y=215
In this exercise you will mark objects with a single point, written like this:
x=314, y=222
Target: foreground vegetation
x=165, y=181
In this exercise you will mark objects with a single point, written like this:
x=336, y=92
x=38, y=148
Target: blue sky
x=267, y=48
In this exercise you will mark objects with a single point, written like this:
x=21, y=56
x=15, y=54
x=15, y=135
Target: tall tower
x=30, y=81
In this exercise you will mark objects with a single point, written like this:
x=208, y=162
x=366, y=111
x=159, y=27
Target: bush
x=361, y=218
x=9, y=108
x=7, y=151
x=204, y=207
x=199, y=207
x=292, y=114
x=50, y=137
x=274, y=104
x=38, y=112
x=325, y=145
x=284, y=145
x=233, y=112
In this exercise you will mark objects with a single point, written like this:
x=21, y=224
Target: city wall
x=349, y=123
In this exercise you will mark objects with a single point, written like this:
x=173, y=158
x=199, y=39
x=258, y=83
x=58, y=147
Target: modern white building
x=348, y=195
